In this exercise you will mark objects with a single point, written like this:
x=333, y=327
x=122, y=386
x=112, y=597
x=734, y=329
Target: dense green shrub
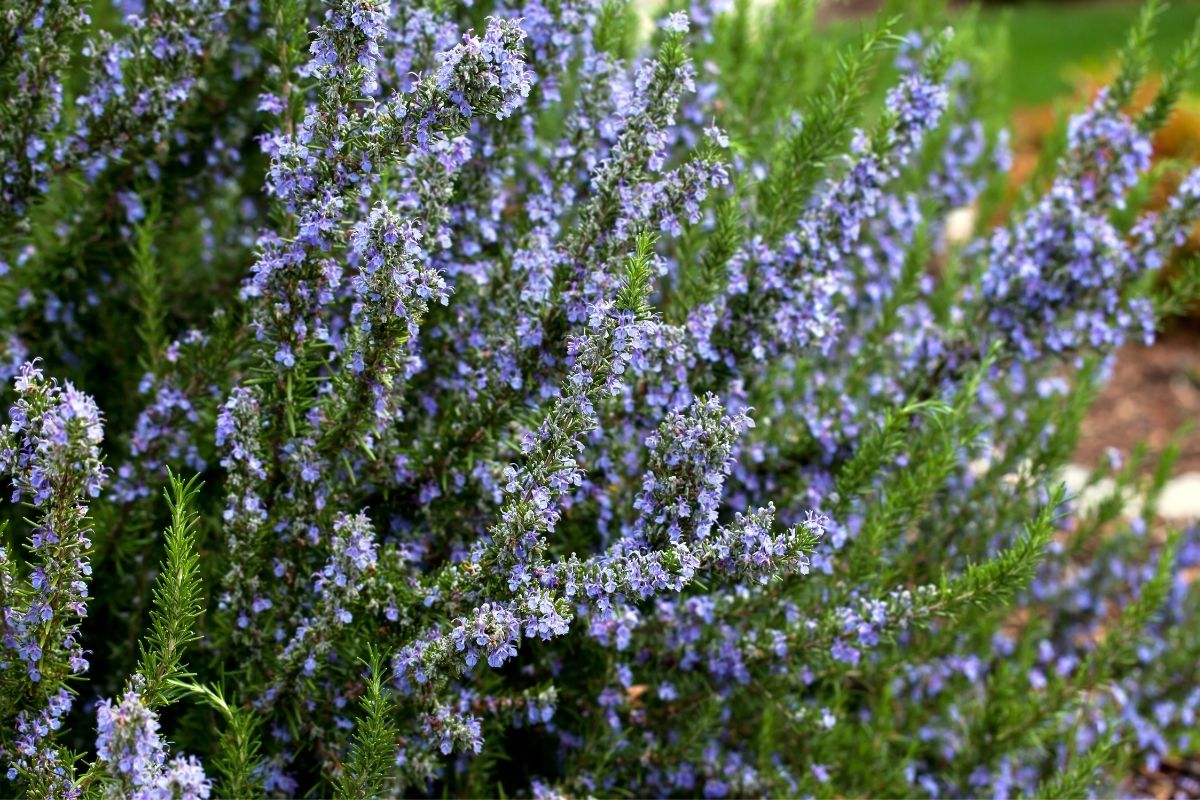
x=578, y=406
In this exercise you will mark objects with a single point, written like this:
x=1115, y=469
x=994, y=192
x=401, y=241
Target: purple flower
x=127, y=739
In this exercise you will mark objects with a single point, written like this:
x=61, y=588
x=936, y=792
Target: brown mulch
x=1176, y=779
x=1154, y=391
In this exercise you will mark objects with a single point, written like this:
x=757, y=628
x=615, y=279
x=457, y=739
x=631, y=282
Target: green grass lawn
x=1047, y=39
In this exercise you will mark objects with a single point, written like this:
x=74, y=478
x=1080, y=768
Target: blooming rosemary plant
x=583, y=401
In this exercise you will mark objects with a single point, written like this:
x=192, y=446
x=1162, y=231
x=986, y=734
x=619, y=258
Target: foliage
x=577, y=405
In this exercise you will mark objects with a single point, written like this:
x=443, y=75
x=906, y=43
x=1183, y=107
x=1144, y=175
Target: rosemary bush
x=577, y=406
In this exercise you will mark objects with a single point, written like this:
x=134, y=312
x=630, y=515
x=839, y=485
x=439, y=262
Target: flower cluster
x=690, y=455
x=472, y=72
x=38, y=35
x=128, y=740
x=51, y=450
x=336, y=587
x=1055, y=280
x=141, y=81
